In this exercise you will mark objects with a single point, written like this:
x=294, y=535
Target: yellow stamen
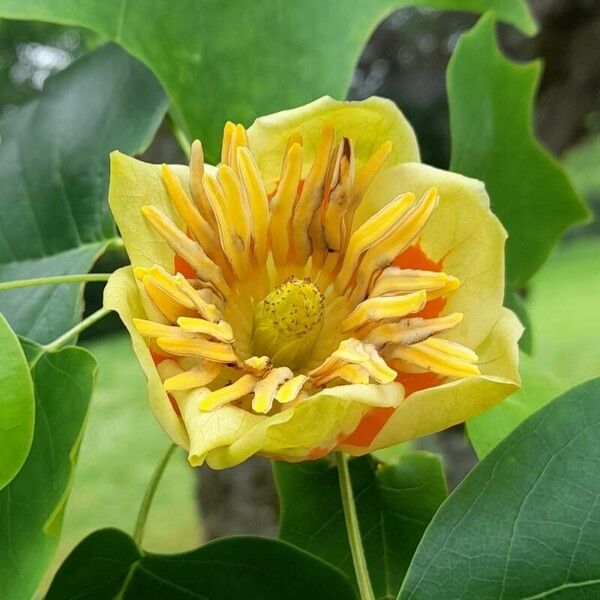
x=339, y=198
x=231, y=241
x=238, y=210
x=166, y=304
x=266, y=388
x=394, y=280
x=206, y=309
x=152, y=329
x=375, y=229
x=408, y=228
x=238, y=389
x=290, y=389
x=257, y=365
x=221, y=331
x=215, y=351
x=310, y=198
x=384, y=307
x=196, y=175
x=227, y=135
x=282, y=205
x=199, y=227
x=437, y=355
x=188, y=249
x=258, y=201
x=196, y=377
x=411, y=331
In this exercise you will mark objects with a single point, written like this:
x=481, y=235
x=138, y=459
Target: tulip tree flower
x=319, y=289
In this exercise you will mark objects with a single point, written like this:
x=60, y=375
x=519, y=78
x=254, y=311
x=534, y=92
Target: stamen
x=238, y=389
x=383, y=307
x=408, y=228
x=196, y=175
x=196, y=377
x=411, y=331
x=221, y=331
x=231, y=241
x=237, y=204
x=215, y=351
x=152, y=329
x=202, y=231
x=394, y=280
x=375, y=229
x=166, y=304
x=259, y=203
x=282, y=205
x=310, y=198
x=339, y=197
x=290, y=389
x=206, y=309
x=227, y=135
x=437, y=355
x=188, y=249
x=266, y=388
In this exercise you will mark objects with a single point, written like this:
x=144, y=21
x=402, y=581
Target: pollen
x=285, y=294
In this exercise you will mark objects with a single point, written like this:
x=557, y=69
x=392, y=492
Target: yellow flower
x=319, y=289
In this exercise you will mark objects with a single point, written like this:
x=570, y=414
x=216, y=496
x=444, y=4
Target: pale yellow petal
x=368, y=123
x=121, y=294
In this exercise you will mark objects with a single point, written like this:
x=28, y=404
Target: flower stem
x=353, y=529
x=53, y=280
x=82, y=326
x=140, y=524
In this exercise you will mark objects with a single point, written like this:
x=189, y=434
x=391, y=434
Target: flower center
x=287, y=322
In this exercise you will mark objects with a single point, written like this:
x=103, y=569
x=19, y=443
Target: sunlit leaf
x=32, y=504
x=239, y=60
x=525, y=522
x=54, y=181
x=491, y=105
x=108, y=564
x=17, y=404
x=395, y=503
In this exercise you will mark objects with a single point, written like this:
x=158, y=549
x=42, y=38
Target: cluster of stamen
x=280, y=294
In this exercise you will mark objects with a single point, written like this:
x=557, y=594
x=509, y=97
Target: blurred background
x=405, y=60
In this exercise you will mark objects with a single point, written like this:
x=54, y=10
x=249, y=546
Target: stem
x=82, y=326
x=53, y=280
x=352, y=526
x=140, y=524
x=179, y=135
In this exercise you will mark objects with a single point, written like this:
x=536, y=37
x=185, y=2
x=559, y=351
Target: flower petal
x=121, y=294
x=433, y=409
x=229, y=435
x=368, y=123
x=462, y=233
x=134, y=184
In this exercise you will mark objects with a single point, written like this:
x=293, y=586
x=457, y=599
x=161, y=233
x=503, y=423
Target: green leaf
x=538, y=387
x=32, y=505
x=239, y=60
x=107, y=564
x=491, y=106
x=17, y=405
x=394, y=502
x=525, y=522
x=54, y=181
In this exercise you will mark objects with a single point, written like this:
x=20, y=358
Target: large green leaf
x=394, y=502
x=17, y=404
x=54, y=181
x=32, y=504
x=108, y=564
x=538, y=387
x=241, y=59
x=525, y=523
x=491, y=105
